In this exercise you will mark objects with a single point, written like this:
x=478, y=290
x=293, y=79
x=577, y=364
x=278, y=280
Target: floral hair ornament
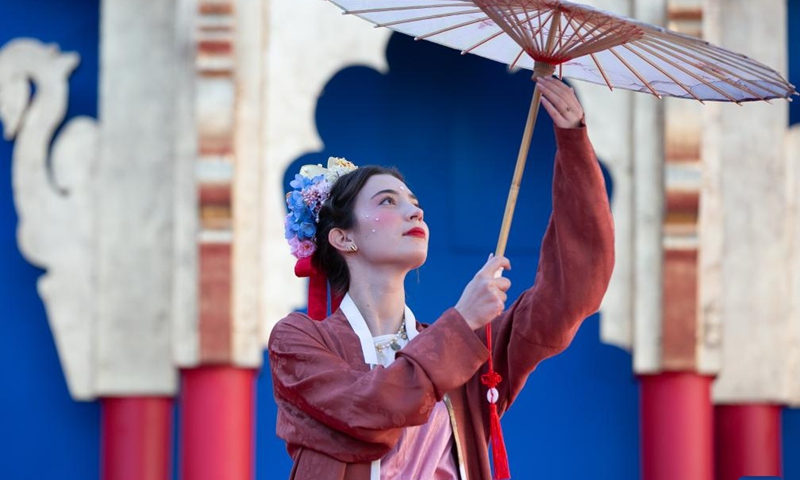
x=310, y=189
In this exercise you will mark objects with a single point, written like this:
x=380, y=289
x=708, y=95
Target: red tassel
x=499, y=454
x=492, y=379
x=317, y=288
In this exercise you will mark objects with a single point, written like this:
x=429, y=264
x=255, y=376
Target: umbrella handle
x=513, y=191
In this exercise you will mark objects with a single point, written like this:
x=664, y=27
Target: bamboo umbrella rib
x=397, y=9
x=602, y=71
x=593, y=42
x=514, y=29
x=427, y=17
x=489, y=38
x=529, y=21
x=500, y=18
x=704, y=56
x=634, y=71
x=596, y=37
x=509, y=18
x=738, y=63
x=576, y=36
x=651, y=51
x=516, y=59
x=548, y=20
x=757, y=70
x=629, y=47
x=719, y=75
x=597, y=44
x=597, y=63
x=682, y=56
x=732, y=59
x=449, y=28
x=537, y=33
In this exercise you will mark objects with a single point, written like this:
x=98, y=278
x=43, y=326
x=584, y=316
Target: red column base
x=677, y=416
x=136, y=438
x=217, y=423
x=748, y=440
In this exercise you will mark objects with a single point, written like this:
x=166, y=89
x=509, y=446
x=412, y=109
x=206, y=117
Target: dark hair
x=338, y=212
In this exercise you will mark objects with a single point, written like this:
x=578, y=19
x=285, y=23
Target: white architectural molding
x=248, y=217
x=185, y=325
x=748, y=145
x=627, y=132
x=139, y=84
x=53, y=195
x=792, y=149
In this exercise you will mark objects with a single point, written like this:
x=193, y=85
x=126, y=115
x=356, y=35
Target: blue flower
x=307, y=230
x=300, y=182
x=295, y=201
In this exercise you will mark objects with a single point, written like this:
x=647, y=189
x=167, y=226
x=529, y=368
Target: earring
x=353, y=248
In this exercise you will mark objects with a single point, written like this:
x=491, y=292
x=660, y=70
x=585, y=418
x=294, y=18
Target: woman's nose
x=416, y=213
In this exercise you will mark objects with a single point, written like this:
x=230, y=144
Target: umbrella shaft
x=540, y=69
x=513, y=191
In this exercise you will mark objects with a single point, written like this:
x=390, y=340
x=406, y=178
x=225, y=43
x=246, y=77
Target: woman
x=365, y=394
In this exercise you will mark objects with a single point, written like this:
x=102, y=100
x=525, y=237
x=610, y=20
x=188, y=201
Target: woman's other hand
x=485, y=296
x=560, y=101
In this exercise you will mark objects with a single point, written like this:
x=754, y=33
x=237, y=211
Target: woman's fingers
x=485, y=295
x=560, y=102
x=494, y=265
x=502, y=283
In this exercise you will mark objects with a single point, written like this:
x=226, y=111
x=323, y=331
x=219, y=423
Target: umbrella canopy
x=589, y=44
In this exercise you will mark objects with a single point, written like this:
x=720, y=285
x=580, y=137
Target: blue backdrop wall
x=452, y=125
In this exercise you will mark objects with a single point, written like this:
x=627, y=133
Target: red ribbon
x=499, y=455
x=317, y=289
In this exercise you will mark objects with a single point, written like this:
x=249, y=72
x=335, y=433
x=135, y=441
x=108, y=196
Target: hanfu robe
x=337, y=414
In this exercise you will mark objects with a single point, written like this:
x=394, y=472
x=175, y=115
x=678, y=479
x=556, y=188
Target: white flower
x=337, y=167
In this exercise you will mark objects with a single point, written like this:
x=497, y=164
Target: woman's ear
x=339, y=239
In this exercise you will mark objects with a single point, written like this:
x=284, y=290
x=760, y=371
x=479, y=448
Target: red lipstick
x=416, y=232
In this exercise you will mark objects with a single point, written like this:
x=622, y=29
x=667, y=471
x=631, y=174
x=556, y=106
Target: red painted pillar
x=217, y=419
x=136, y=438
x=677, y=426
x=747, y=440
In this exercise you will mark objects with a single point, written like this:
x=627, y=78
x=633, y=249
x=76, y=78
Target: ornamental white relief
x=52, y=190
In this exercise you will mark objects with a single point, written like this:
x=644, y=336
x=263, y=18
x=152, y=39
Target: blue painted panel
x=44, y=433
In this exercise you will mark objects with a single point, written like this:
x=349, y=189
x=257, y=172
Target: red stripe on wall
x=215, y=303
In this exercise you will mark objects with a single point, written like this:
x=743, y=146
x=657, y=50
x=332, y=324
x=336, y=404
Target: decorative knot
x=491, y=379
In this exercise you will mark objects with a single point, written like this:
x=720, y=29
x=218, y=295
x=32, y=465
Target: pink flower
x=302, y=249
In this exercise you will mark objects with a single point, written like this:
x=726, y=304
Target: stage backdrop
x=452, y=125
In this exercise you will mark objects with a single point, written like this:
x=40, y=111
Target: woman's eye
x=387, y=201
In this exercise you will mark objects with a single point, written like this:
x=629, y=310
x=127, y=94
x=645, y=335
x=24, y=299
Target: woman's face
x=389, y=224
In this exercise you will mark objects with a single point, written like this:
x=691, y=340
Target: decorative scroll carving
x=53, y=194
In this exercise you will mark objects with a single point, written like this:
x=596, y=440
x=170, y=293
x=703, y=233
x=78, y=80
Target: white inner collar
x=359, y=325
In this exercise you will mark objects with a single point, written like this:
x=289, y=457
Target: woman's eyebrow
x=388, y=190
x=395, y=192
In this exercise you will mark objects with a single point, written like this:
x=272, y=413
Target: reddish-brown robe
x=337, y=415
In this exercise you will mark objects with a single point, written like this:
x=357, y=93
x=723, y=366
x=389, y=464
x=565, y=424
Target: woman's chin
x=418, y=260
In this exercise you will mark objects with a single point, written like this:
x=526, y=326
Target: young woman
x=371, y=393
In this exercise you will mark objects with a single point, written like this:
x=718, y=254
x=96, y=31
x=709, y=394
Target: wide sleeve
x=323, y=397
x=575, y=265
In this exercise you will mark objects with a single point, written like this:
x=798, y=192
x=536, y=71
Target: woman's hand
x=560, y=102
x=484, y=297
